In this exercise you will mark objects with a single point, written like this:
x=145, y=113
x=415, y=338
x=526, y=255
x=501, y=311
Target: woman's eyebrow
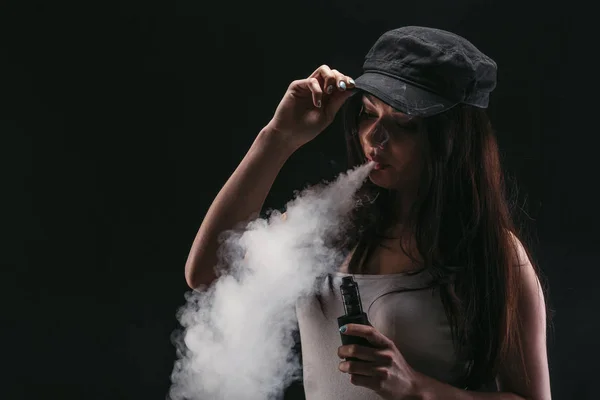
x=404, y=117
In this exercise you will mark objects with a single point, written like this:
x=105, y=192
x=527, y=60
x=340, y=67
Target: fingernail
x=319, y=103
x=342, y=85
x=329, y=89
x=343, y=329
x=351, y=81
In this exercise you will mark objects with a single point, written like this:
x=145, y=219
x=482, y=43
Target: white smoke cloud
x=237, y=343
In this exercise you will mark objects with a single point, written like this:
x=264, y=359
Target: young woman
x=456, y=307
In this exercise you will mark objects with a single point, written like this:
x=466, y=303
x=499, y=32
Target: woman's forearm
x=431, y=389
x=240, y=200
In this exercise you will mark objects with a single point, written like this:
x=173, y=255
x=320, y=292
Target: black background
x=121, y=121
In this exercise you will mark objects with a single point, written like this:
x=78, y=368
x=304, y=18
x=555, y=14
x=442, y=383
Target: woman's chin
x=381, y=179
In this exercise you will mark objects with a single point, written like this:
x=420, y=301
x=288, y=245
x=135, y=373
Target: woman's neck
x=403, y=212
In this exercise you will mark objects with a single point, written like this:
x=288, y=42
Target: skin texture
x=396, y=141
x=393, y=137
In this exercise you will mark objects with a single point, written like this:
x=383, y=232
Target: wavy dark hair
x=465, y=231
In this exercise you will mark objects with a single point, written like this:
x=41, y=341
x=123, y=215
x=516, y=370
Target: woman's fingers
x=343, y=82
x=332, y=79
x=324, y=81
x=326, y=78
x=317, y=92
x=361, y=352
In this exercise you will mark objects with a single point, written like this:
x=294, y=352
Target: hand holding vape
x=354, y=313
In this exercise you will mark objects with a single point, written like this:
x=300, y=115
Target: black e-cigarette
x=354, y=313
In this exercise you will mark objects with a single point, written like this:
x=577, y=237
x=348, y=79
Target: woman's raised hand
x=310, y=105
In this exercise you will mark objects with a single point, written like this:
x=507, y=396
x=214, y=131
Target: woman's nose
x=378, y=136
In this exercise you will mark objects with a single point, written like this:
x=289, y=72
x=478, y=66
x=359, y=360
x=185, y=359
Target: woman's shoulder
x=520, y=254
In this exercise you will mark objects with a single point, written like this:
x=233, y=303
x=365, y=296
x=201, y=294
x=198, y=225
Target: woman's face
x=393, y=140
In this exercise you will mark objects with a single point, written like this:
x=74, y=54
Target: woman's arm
x=532, y=312
x=511, y=377
x=432, y=389
x=240, y=199
x=305, y=110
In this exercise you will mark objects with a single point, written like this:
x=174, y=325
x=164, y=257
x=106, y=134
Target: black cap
x=424, y=71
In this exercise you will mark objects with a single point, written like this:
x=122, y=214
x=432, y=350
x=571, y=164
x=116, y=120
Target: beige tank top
x=401, y=306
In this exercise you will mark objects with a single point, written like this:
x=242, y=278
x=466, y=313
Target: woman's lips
x=378, y=163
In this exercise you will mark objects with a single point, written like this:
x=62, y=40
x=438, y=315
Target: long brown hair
x=464, y=231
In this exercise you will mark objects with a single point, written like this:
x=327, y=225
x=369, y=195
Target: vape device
x=354, y=313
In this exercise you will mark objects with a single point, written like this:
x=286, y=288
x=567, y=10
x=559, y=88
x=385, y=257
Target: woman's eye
x=365, y=114
x=411, y=126
x=404, y=125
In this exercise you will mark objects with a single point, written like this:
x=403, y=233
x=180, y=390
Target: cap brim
x=403, y=96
